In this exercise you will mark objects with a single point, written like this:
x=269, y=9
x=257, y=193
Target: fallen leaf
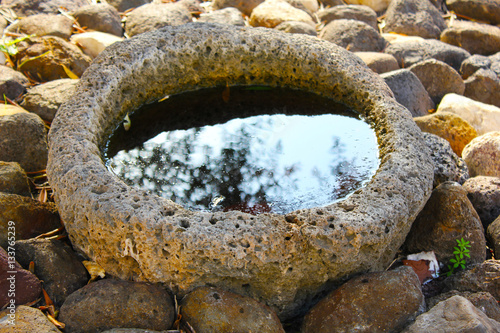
x=69, y=73
x=95, y=270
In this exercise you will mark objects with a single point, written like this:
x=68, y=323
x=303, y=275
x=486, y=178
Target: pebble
x=153, y=16
x=229, y=15
x=271, y=13
x=13, y=179
x=379, y=62
x=107, y=304
x=484, y=194
x=43, y=25
x=476, y=38
x=27, y=319
x=353, y=35
x=447, y=125
x=295, y=27
x=94, y=42
x=246, y=7
x=373, y=302
x=208, y=310
x=447, y=216
x=482, y=155
x=101, y=17
x=12, y=83
x=349, y=12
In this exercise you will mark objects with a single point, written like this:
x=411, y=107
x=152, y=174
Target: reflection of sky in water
x=277, y=161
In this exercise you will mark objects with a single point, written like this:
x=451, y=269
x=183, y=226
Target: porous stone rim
x=282, y=260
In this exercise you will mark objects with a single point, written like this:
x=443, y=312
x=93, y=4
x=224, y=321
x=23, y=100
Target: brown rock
x=482, y=155
x=27, y=319
x=484, y=194
x=447, y=216
x=107, y=304
x=482, y=277
x=43, y=25
x=123, y=5
x=33, y=7
x=493, y=233
x=215, y=310
x=483, y=86
x=31, y=217
x=13, y=179
x=153, y=16
x=101, y=17
x=379, y=62
x=355, y=36
x=12, y=83
x=271, y=13
x=246, y=6
x=373, y=302
x=481, y=10
x=349, y=12
x=476, y=38
x=450, y=127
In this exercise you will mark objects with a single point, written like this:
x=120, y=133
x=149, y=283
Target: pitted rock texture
x=280, y=260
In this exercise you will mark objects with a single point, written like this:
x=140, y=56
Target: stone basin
x=282, y=260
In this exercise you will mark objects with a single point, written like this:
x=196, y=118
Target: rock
x=481, y=10
x=452, y=128
x=153, y=16
x=379, y=62
x=484, y=194
x=43, y=25
x=349, y=12
x=27, y=319
x=481, y=277
x=438, y=78
x=23, y=140
x=447, y=165
x=412, y=52
x=229, y=15
x=131, y=330
x=414, y=18
x=393, y=38
x=483, y=86
x=482, y=155
x=137, y=236
x=271, y=13
x=244, y=6
x=12, y=83
x=355, y=36
x=124, y=5
x=101, y=17
x=476, y=38
x=32, y=7
x=485, y=118
x=376, y=5
x=31, y=217
x=310, y=7
x=454, y=315
x=93, y=43
x=483, y=301
x=447, y=216
x=13, y=179
x=126, y=304
x=17, y=285
x=3, y=24
x=56, y=264
x=409, y=91
x=195, y=7
x=215, y=310
x=294, y=27
x=493, y=233
x=332, y=3
x=44, y=99
x=45, y=56
x=373, y=302
x=474, y=63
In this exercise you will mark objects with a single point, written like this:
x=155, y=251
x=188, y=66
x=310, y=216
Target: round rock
x=482, y=155
x=280, y=260
x=13, y=179
x=477, y=38
x=271, y=13
x=153, y=16
x=353, y=35
x=379, y=62
x=484, y=194
x=228, y=15
x=483, y=86
x=474, y=63
x=12, y=83
x=101, y=17
x=349, y=12
x=481, y=10
x=43, y=25
x=246, y=6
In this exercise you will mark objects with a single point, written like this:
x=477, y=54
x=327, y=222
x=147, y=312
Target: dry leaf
x=69, y=73
x=95, y=270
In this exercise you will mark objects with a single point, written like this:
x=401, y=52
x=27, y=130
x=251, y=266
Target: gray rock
x=447, y=216
x=373, y=302
x=483, y=277
x=153, y=16
x=484, y=194
x=332, y=3
x=144, y=237
x=353, y=35
x=44, y=99
x=229, y=15
x=412, y=52
x=56, y=264
x=484, y=301
x=44, y=56
x=481, y=10
x=12, y=83
x=101, y=17
x=24, y=140
x=32, y=7
x=214, y=310
x=474, y=63
x=379, y=62
x=31, y=217
x=13, y=179
x=349, y=12
x=107, y=304
x=244, y=6
x=482, y=155
x=493, y=233
x=28, y=319
x=483, y=86
x=194, y=6
x=454, y=315
x=476, y=38
x=43, y=25
x=414, y=18
x=123, y=5
x=438, y=78
x=409, y=91
x=294, y=27
x=447, y=165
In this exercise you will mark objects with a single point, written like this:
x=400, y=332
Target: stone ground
x=441, y=59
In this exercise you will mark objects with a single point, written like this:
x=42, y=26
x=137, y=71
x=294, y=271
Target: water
x=252, y=149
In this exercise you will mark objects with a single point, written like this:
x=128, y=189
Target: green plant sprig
x=461, y=251
x=10, y=48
